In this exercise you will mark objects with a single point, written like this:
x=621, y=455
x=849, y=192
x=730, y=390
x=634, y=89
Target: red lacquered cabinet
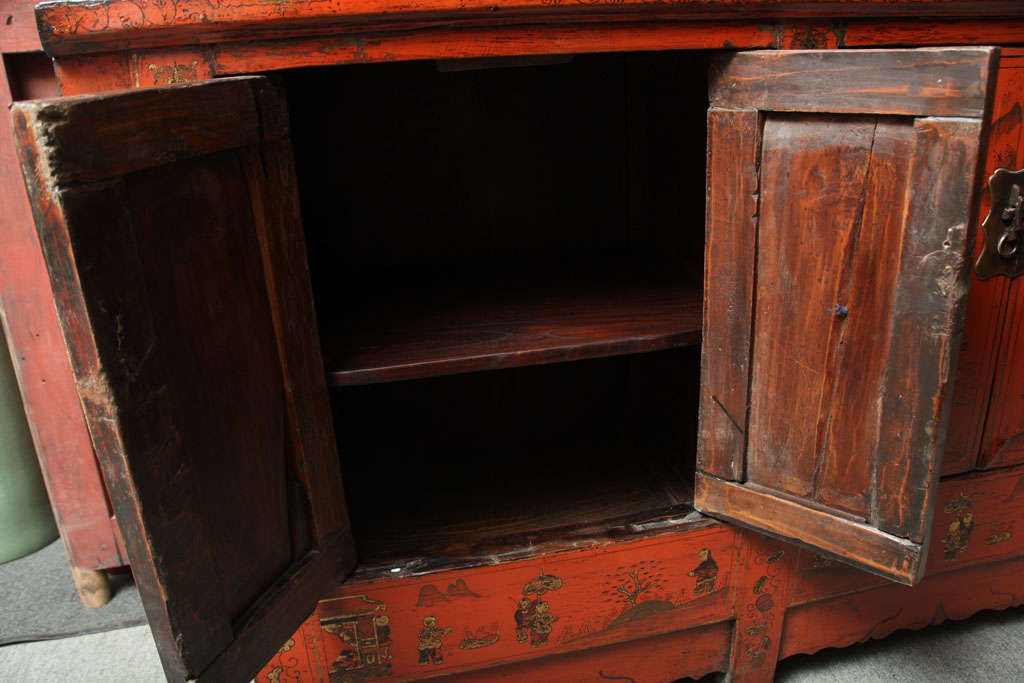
x=70, y=469
x=535, y=341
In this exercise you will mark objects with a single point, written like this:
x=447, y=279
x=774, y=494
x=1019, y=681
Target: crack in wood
x=724, y=410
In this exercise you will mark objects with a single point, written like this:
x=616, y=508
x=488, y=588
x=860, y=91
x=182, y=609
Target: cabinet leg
x=766, y=570
x=93, y=586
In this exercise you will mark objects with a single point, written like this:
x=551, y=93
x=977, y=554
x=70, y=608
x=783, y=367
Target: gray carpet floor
x=988, y=648
x=38, y=600
x=123, y=656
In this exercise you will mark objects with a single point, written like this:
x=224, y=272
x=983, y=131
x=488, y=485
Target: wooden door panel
x=236, y=448
x=167, y=219
x=836, y=357
x=831, y=193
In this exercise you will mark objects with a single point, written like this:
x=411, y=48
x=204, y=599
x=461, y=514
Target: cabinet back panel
x=405, y=164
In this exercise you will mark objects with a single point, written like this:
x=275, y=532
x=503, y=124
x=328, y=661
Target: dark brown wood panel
x=514, y=462
x=922, y=82
x=422, y=331
x=236, y=448
x=734, y=146
x=194, y=122
x=813, y=173
x=176, y=260
x=523, y=517
x=930, y=298
x=861, y=273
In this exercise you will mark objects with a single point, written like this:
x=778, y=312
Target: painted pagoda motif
x=365, y=631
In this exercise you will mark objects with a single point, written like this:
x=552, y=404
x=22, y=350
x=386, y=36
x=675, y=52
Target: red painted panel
x=73, y=479
x=18, y=31
x=975, y=522
x=980, y=361
x=461, y=620
x=110, y=24
x=877, y=613
x=684, y=654
x=764, y=582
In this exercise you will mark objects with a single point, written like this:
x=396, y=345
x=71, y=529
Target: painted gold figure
x=540, y=625
x=706, y=573
x=524, y=617
x=430, y=641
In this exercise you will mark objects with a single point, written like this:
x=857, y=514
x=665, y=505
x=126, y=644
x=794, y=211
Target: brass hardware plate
x=1003, y=228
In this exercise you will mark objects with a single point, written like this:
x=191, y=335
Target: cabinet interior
x=506, y=263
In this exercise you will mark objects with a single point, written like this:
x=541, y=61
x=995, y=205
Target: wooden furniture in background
x=533, y=521
x=72, y=475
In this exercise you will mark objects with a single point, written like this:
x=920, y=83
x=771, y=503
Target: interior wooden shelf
x=553, y=502
x=518, y=462
x=409, y=331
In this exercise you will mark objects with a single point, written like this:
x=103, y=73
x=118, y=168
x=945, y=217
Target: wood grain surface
x=921, y=82
x=975, y=523
x=730, y=250
x=820, y=249
x=980, y=373
x=794, y=520
x=931, y=296
x=428, y=331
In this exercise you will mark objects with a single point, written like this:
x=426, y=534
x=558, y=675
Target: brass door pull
x=1002, y=253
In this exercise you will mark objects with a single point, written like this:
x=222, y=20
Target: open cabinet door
x=841, y=187
x=169, y=221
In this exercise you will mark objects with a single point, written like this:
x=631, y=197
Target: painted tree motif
x=630, y=584
x=634, y=587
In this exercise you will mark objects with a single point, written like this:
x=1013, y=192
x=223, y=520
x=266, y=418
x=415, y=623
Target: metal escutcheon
x=1003, y=228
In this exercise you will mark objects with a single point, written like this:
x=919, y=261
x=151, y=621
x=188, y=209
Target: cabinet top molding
x=76, y=27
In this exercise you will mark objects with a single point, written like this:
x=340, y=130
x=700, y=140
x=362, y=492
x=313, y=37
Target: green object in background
x=26, y=521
